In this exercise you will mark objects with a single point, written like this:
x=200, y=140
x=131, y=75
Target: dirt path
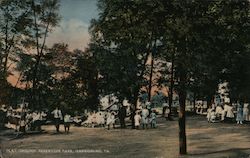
x=204, y=140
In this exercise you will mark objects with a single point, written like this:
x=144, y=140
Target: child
x=212, y=116
x=67, y=123
x=166, y=113
x=93, y=119
x=137, y=120
x=153, y=119
x=111, y=119
x=144, y=117
x=245, y=112
x=100, y=119
x=239, y=117
x=209, y=111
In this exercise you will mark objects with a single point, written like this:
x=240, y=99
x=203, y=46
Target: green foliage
x=158, y=99
x=207, y=42
x=122, y=53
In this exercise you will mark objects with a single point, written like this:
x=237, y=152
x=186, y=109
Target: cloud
x=73, y=32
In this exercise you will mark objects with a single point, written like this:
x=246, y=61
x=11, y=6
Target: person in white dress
x=167, y=112
x=229, y=111
x=110, y=119
x=212, y=116
x=137, y=120
x=93, y=119
x=213, y=106
x=67, y=120
x=100, y=118
x=246, y=112
x=219, y=112
x=144, y=117
x=209, y=110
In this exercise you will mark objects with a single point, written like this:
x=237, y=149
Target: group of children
x=108, y=118
x=100, y=119
x=228, y=112
x=144, y=117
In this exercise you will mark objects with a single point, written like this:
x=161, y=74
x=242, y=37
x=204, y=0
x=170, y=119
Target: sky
x=73, y=27
x=75, y=20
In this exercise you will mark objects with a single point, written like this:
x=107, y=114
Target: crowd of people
x=22, y=119
x=141, y=118
x=144, y=118
x=226, y=112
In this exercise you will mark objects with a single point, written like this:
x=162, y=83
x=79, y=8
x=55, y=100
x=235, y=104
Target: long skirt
x=239, y=116
x=144, y=120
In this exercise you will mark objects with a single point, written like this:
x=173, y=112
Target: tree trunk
x=209, y=100
x=182, y=116
x=34, y=82
x=194, y=99
x=151, y=77
x=171, y=84
x=134, y=107
x=35, y=78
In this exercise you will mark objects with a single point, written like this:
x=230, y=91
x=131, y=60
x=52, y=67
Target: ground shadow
x=234, y=152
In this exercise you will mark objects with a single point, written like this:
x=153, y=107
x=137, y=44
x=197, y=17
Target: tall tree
x=122, y=53
x=14, y=23
x=45, y=17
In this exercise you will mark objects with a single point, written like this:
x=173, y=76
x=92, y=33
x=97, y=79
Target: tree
x=122, y=54
x=44, y=17
x=209, y=50
x=13, y=26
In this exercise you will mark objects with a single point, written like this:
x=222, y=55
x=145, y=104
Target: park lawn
x=204, y=139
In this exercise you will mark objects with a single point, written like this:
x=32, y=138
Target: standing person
x=198, y=108
x=93, y=119
x=239, y=117
x=213, y=106
x=145, y=114
x=132, y=116
x=220, y=112
x=246, y=112
x=166, y=114
x=57, y=113
x=122, y=116
x=153, y=119
x=209, y=111
x=212, y=116
x=110, y=119
x=22, y=124
x=100, y=119
x=164, y=105
x=229, y=112
x=67, y=121
x=137, y=119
